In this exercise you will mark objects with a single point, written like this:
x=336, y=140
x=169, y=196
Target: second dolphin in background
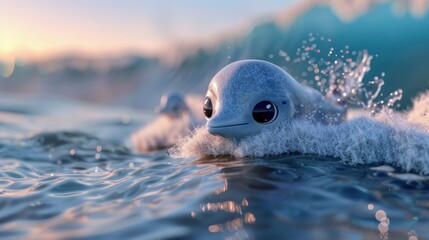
x=178, y=116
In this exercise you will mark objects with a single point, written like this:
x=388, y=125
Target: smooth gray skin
x=237, y=88
x=172, y=104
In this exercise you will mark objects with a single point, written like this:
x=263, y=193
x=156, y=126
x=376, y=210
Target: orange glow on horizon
x=169, y=29
x=45, y=43
x=31, y=34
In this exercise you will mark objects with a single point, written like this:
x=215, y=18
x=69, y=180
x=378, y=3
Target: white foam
x=388, y=138
x=163, y=133
x=420, y=112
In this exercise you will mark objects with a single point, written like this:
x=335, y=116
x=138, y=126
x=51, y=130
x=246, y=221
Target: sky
x=97, y=27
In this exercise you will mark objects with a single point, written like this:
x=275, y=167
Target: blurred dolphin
x=172, y=104
x=178, y=114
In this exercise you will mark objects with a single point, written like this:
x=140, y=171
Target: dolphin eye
x=264, y=112
x=208, y=107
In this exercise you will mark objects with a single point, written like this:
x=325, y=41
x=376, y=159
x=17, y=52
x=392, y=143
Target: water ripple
x=154, y=196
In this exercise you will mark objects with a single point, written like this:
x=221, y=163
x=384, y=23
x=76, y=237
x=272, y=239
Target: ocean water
x=68, y=172
x=73, y=169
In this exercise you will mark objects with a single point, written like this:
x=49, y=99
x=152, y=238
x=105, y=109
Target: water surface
x=67, y=171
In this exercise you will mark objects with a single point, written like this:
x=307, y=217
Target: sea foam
x=392, y=138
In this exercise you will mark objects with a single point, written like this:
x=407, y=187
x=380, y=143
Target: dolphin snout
x=227, y=127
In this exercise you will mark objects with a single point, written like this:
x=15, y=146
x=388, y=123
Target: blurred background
x=131, y=52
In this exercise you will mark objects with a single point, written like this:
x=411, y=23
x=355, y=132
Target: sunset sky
x=51, y=27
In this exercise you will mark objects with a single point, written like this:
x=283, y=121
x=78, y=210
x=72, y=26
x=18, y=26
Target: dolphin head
x=246, y=97
x=172, y=105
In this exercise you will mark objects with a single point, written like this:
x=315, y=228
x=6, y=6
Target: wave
x=124, y=80
x=388, y=138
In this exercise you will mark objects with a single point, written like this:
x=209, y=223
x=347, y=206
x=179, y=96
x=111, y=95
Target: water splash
x=363, y=140
x=388, y=138
x=340, y=74
x=420, y=112
x=346, y=85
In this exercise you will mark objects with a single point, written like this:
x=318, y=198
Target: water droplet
x=385, y=220
x=383, y=228
x=249, y=218
x=214, y=228
x=380, y=214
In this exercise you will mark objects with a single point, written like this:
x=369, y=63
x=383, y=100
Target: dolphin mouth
x=230, y=125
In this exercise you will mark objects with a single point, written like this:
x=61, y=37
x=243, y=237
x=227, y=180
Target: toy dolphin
x=248, y=96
